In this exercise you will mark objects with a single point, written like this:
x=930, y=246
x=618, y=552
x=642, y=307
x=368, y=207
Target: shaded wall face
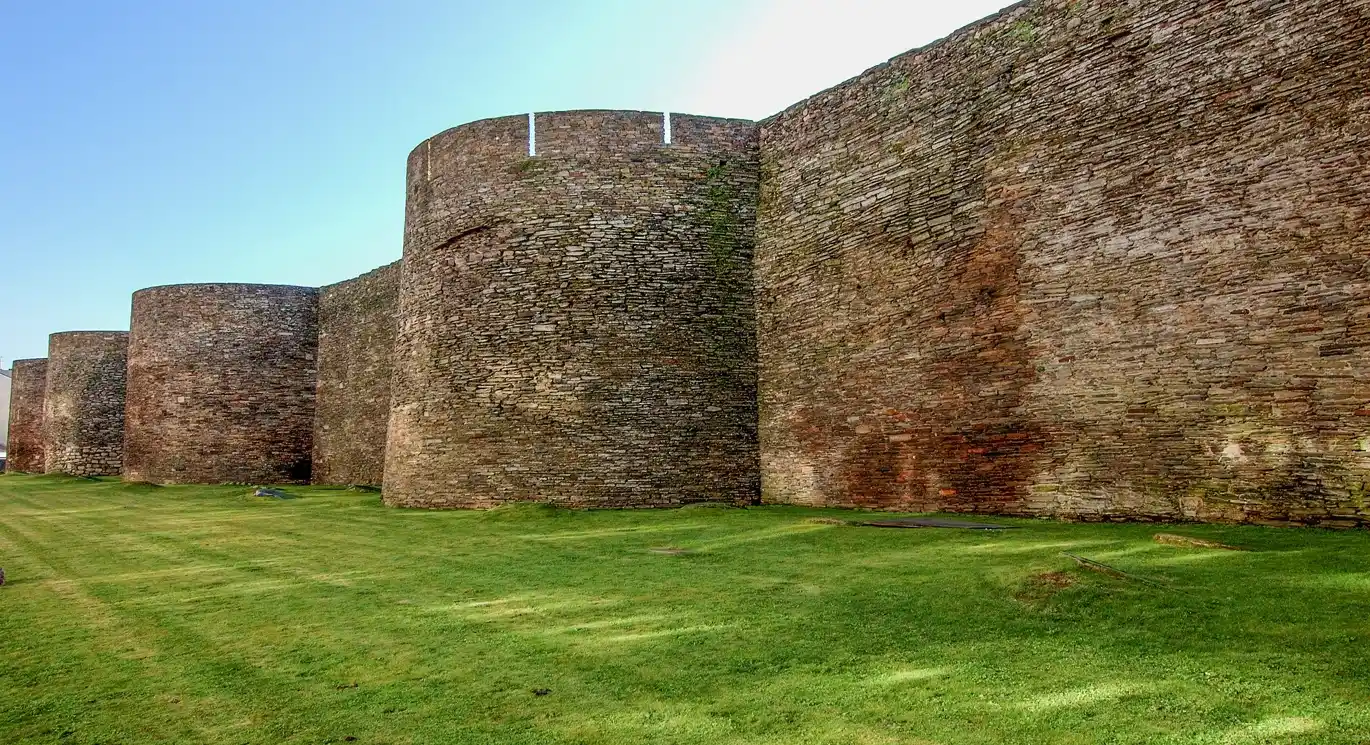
x=24, y=448
x=83, y=414
x=1089, y=259
x=578, y=326
x=356, y=344
x=221, y=384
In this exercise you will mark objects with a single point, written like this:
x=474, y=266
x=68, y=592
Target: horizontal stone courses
x=83, y=403
x=221, y=384
x=575, y=326
x=1084, y=258
x=1019, y=230
x=28, y=385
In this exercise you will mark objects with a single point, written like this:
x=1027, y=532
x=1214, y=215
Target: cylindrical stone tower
x=221, y=384
x=24, y=445
x=577, y=326
x=83, y=406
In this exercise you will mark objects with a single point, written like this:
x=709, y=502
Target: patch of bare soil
x=1041, y=587
x=1184, y=541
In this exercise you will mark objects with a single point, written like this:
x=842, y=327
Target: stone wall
x=221, y=382
x=577, y=327
x=1087, y=258
x=24, y=446
x=1098, y=259
x=83, y=403
x=356, y=343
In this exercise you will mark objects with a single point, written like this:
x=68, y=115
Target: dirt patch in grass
x=1039, y=588
x=138, y=485
x=1184, y=541
x=515, y=512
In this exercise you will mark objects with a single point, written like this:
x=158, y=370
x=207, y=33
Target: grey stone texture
x=577, y=327
x=357, y=320
x=83, y=403
x=24, y=446
x=221, y=381
x=1098, y=260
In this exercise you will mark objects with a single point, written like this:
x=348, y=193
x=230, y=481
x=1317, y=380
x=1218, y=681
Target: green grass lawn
x=137, y=614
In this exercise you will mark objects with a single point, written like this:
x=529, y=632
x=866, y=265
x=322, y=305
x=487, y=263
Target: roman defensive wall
x=1086, y=258
x=25, y=440
x=1093, y=259
x=83, y=403
x=576, y=317
x=221, y=384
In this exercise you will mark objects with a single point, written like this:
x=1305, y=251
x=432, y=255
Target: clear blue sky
x=147, y=142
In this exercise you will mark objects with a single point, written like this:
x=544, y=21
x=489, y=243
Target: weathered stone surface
x=28, y=385
x=83, y=404
x=577, y=327
x=1096, y=259
x=1104, y=260
x=356, y=344
x=221, y=382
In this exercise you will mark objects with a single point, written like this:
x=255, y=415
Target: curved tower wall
x=221, y=384
x=24, y=443
x=356, y=344
x=577, y=326
x=83, y=403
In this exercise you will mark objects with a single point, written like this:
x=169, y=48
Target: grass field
x=137, y=614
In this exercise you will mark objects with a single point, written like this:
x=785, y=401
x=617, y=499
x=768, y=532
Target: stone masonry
x=356, y=338
x=25, y=440
x=1087, y=259
x=577, y=326
x=221, y=382
x=1091, y=259
x=83, y=403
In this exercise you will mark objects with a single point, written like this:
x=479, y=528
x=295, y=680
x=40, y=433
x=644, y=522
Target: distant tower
x=221, y=384
x=83, y=408
x=24, y=444
x=577, y=326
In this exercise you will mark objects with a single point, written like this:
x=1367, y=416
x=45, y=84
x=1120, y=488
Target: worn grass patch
x=197, y=615
x=515, y=512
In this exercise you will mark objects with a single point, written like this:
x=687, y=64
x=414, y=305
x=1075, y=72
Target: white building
x=4, y=408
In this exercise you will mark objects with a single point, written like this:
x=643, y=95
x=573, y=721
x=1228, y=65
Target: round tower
x=221, y=384
x=83, y=403
x=576, y=316
x=24, y=445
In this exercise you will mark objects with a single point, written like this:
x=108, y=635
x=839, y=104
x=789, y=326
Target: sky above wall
x=153, y=142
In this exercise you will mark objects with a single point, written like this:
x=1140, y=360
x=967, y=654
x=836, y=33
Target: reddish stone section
x=356, y=343
x=221, y=382
x=83, y=404
x=24, y=446
x=577, y=327
x=1087, y=258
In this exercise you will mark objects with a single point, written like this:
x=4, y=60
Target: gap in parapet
x=666, y=136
